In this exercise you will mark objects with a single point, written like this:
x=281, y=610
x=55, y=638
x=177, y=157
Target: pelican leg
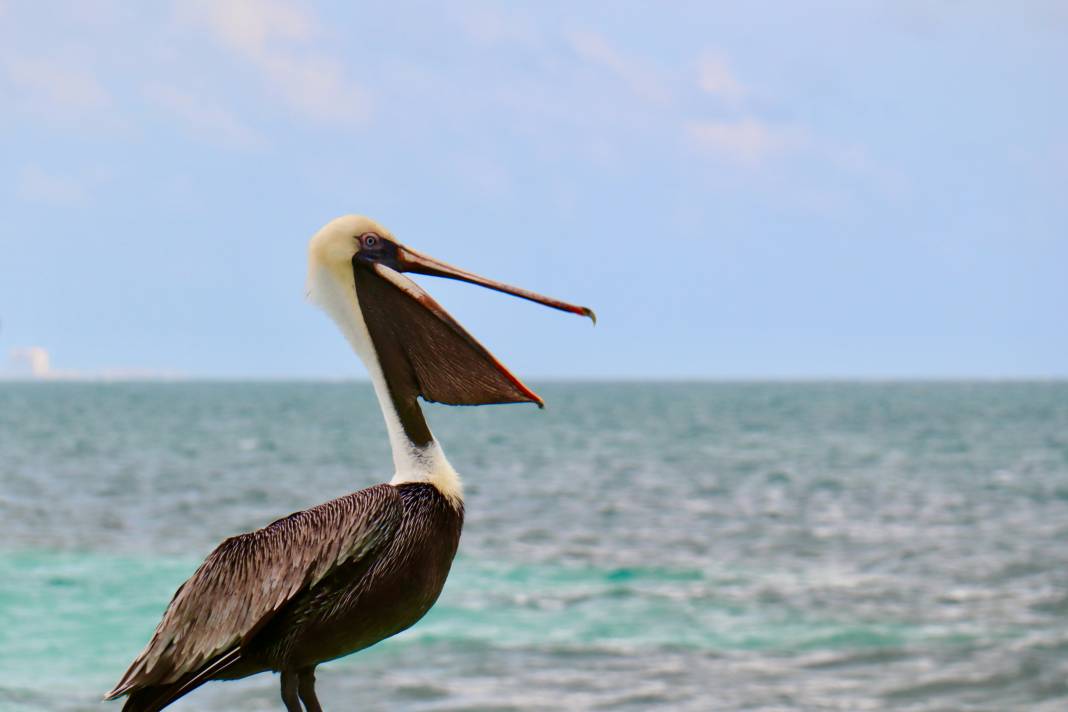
x=289, y=691
x=306, y=687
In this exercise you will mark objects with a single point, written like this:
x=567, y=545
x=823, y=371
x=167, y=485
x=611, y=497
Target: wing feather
x=249, y=577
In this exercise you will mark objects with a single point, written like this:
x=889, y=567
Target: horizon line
x=726, y=379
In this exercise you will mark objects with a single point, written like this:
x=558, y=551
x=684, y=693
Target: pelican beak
x=425, y=351
x=408, y=260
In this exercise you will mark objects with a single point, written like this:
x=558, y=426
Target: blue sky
x=739, y=189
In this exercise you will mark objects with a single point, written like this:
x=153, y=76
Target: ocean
x=634, y=546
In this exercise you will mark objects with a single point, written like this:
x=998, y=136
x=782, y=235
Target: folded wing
x=250, y=577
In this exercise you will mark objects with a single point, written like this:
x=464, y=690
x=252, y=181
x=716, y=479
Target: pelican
x=339, y=577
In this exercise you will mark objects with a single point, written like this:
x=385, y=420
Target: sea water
x=684, y=546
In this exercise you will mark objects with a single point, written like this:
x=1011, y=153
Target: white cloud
x=748, y=141
x=744, y=139
x=56, y=87
x=714, y=77
x=278, y=38
x=203, y=118
x=642, y=78
x=316, y=86
x=39, y=186
x=251, y=26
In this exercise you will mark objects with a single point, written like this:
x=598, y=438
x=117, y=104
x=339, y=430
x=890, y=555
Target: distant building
x=34, y=363
x=30, y=362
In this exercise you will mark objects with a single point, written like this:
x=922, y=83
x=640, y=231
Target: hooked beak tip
x=586, y=311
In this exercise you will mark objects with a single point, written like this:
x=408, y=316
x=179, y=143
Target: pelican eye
x=370, y=240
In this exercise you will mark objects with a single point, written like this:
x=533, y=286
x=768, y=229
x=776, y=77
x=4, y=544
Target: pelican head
x=355, y=273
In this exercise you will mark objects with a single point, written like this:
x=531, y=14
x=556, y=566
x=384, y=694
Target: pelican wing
x=250, y=577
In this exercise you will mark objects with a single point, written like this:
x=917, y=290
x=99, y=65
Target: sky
x=740, y=190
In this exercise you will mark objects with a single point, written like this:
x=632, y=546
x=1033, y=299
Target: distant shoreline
x=725, y=380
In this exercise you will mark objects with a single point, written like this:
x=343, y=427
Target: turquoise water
x=634, y=546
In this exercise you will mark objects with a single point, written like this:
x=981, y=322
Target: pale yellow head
x=338, y=241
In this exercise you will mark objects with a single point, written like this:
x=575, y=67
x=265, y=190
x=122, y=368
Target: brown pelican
x=339, y=577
